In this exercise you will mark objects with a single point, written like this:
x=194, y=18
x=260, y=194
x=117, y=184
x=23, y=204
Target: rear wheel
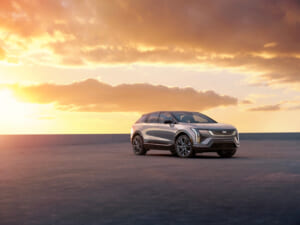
x=226, y=153
x=138, y=145
x=183, y=146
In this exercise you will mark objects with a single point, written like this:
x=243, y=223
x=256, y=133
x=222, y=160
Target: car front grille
x=224, y=132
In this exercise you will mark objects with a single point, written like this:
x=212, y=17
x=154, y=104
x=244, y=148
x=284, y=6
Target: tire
x=138, y=145
x=183, y=146
x=226, y=153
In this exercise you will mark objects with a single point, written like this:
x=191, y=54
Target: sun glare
x=11, y=108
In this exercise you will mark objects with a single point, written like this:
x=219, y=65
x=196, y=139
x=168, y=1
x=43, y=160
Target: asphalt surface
x=107, y=184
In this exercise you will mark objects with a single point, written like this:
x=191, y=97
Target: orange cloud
x=2, y=54
x=252, y=34
x=297, y=107
x=95, y=96
x=275, y=107
x=246, y=102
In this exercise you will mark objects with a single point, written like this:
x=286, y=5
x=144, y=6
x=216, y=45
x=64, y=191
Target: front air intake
x=223, y=132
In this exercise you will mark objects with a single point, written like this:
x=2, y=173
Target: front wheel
x=226, y=153
x=138, y=145
x=183, y=146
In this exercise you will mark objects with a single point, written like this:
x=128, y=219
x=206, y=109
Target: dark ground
x=107, y=184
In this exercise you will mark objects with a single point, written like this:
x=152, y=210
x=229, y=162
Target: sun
x=11, y=108
x=18, y=117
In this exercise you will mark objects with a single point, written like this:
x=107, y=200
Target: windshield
x=192, y=117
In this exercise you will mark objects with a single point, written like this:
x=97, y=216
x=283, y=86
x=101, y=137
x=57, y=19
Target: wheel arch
x=181, y=132
x=137, y=133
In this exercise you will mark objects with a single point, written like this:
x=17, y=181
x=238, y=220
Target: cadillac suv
x=184, y=134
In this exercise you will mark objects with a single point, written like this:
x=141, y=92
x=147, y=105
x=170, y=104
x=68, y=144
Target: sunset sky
x=94, y=66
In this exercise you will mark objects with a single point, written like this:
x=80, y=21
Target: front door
x=166, y=131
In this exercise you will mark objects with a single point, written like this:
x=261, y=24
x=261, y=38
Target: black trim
x=159, y=146
x=200, y=150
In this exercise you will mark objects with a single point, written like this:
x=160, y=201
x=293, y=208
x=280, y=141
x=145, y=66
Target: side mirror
x=169, y=122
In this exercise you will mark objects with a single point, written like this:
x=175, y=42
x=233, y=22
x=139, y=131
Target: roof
x=169, y=111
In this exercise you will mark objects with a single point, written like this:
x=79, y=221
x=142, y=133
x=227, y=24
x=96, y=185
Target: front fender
x=137, y=132
x=179, y=132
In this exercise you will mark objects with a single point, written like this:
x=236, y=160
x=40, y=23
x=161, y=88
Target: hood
x=210, y=126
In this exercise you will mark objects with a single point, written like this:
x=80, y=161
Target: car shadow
x=197, y=156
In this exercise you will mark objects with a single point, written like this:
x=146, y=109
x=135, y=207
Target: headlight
x=237, y=135
x=197, y=135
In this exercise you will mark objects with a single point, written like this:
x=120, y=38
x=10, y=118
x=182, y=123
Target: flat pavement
x=107, y=184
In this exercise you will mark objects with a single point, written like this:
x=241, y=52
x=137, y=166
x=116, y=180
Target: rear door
x=149, y=131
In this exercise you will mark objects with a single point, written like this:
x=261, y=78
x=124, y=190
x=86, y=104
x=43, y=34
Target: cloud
x=297, y=107
x=246, y=102
x=290, y=105
x=275, y=107
x=94, y=96
x=2, y=54
x=254, y=35
x=270, y=44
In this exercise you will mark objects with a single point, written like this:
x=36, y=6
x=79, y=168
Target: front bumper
x=210, y=142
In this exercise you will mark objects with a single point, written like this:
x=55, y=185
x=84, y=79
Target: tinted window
x=163, y=116
x=153, y=118
x=142, y=119
x=192, y=117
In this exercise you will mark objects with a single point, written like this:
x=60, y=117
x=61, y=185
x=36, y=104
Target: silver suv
x=183, y=133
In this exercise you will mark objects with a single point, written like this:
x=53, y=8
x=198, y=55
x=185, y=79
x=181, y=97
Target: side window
x=163, y=116
x=153, y=118
x=142, y=119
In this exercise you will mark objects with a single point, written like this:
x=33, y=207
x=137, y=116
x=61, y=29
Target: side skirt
x=159, y=146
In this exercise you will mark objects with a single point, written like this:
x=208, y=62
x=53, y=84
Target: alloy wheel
x=138, y=146
x=184, y=146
